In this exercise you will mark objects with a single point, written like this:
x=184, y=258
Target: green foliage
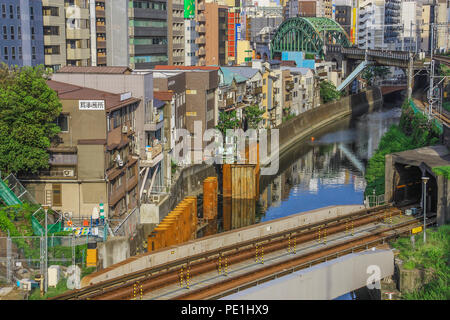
x=173, y=166
x=433, y=255
x=442, y=171
x=373, y=72
x=414, y=131
x=444, y=70
x=61, y=287
x=28, y=108
x=253, y=114
x=309, y=56
x=288, y=117
x=328, y=92
x=227, y=120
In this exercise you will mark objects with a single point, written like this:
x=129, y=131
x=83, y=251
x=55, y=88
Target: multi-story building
x=200, y=18
x=98, y=32
x=190, y=49
x=21, y=32
x=379, y=24
x=148, y=33
x=233, y=34
x=343, y=16
x=215, y=38
x=149, y=124
x=67, y=36
x=93, y=160
x=411, y=18
x=175, y=32
x=231, y=91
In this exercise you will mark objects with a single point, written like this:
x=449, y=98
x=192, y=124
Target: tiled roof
x=229, y=75
x=246, y=72
x=70, y=92
x=98, y=70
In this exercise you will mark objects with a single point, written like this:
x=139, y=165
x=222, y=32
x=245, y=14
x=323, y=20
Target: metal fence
x=374, y=200
x=24, y=257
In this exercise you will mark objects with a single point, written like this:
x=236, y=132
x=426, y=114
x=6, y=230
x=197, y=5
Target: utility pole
x=46, y=207
x=430, y=91
x=425, y=180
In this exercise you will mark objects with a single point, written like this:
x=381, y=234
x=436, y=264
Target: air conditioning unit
x=124, y=129
x=156, y=198
x=68, y=173
x=120, y=163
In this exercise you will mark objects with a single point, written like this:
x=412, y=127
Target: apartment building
x=190, y=49
x=231, y=91
x=149, y=125
x=21, y=32
x=98, y=32
x=215, y=38
x=200, y=18
x=233, y=34
x=175, y=32
x=93, y=161
x=67, y=36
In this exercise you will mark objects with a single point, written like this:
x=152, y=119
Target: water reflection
x=329, y=171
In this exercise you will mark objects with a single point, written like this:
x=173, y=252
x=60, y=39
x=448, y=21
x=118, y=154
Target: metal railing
x=128, y=225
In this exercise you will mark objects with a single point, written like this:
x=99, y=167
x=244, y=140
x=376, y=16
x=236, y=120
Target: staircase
x=360, y=68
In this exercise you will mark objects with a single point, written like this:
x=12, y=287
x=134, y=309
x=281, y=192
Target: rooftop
x=435, y=156
x=97, y=70
x=193, y=68
x=71, y=92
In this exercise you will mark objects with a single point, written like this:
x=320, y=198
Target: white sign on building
x=91, y=104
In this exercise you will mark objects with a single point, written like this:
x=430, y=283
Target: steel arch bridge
x=308, y=34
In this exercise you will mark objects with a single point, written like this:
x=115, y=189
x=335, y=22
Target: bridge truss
x=309, y=34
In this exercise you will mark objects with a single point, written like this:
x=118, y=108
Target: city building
x=21, y=33
x=343, y=16
x=92, y=161
x=244, y=52
x=200, y=18
x=232, y=89
x=190, y=49
x=175, y=32
x=411, y=18
x=215, y=38
x=233, y=34
x=98, y=32
x=67, y=33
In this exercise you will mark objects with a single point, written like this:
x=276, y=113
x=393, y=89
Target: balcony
x=78, y=54
x=229, y=102
x=77, y=33
x=154, y=121
x=201, y=40
x=201, y=18
x=200, y=52
x=101, y=60
x=99, y=13
x=153, y=156
x=200, y=29
x=101, y=44
x=201, y=7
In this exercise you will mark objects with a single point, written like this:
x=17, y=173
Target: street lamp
x=46, y=207
x=424, y=180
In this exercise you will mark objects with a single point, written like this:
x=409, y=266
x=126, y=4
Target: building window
x=12, y=33
x=13, y=53
x=4, y=11
x=31, y=13
x=5, y=33
x=56, y=195
x=63, y=122
x=11, y=12
x=33, y=53
x=18, y=12
x=32, y=33
x=5, y=53
x=19, y=33
x=20, y=53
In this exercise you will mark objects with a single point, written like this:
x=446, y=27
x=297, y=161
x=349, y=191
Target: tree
x=372, y=73
x=28, y=109
x=328, y=91
x=253, y=114
x=227, y=120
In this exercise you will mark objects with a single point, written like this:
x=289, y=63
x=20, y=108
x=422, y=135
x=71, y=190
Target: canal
x=324, y=170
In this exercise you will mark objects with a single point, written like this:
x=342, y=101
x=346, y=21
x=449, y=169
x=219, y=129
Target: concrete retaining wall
x=224, y=239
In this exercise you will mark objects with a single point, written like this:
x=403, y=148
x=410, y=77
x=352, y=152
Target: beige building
x=92, y=161
x=66, y=33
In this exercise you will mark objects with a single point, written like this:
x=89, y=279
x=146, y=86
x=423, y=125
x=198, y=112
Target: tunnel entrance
x=408, y=189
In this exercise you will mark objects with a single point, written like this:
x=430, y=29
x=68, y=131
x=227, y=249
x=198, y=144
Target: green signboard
x=189, y=9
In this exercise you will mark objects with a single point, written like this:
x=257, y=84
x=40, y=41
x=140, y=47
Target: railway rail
x=163, y=275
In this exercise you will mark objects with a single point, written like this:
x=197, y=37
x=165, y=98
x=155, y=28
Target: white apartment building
x=190, y=35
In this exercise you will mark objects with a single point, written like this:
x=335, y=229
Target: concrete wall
x=221, y=240
x=306, y=123
x=113, y=251
x=325, y=281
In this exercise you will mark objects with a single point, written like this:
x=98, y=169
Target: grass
x=60, y=288
x=433, y=255
x=442, y=171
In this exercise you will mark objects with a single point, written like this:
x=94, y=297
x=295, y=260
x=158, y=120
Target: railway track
x=160, y=276
x=301, y=261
